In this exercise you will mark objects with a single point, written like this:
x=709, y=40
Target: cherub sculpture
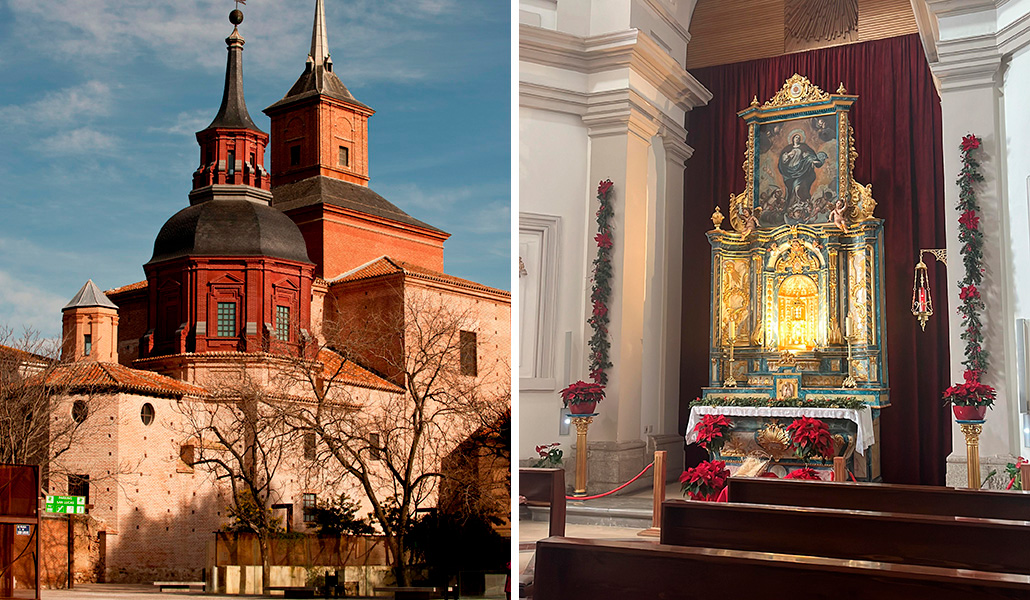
x=837, y=215
x=750, y=219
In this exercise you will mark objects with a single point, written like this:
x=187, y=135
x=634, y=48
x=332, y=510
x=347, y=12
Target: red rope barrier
x=613, y=491
x=850, y=474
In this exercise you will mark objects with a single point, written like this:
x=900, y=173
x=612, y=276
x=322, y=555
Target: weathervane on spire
x=236, y=16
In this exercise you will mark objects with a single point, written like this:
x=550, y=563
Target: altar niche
x=797, y=295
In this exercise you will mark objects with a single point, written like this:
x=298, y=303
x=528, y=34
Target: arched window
x=80, y=410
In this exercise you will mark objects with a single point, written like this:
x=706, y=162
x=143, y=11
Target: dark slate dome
x=230, y=228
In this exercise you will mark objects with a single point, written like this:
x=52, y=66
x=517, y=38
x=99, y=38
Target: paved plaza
x=123, y=591
x=134, y=591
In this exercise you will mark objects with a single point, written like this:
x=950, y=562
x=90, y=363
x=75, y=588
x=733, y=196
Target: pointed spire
x=89, y=295
x=318, y=76
x=319, y=40
x=233, y=111
x=232, y=148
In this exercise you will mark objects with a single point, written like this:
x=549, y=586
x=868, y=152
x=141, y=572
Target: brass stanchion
x=658, y=496
x=582, y=422
x=972, y=432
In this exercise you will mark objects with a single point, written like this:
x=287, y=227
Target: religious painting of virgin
x=797, y=174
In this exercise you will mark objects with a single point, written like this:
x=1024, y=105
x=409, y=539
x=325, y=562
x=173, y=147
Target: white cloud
x=481, y=209
x=61, y=107
x=83, y=140
x=490, y=218
x=370, y=39
x=25, y=305
x=187, y=123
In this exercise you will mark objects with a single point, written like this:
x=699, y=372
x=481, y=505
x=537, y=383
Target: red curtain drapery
x=897, y=121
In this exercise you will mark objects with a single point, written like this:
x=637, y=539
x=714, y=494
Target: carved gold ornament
x=774, y=439
x=717, y=218
x=796, y=90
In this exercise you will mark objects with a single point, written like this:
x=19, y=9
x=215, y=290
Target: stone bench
x=408, y=592
x=189, y=586
x=293, y=591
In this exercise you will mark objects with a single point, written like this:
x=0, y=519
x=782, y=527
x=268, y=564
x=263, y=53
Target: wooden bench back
x=918, y=499
x=545, y=487
x=575, y=569
x=949, y=542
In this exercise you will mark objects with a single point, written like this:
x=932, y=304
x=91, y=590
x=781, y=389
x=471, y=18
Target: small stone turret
x=90, y=330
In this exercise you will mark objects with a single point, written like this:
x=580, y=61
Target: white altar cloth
x=862, y=417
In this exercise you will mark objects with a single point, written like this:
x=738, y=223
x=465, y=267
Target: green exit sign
x=68, y=505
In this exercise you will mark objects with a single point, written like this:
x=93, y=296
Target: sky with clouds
x=100, y=100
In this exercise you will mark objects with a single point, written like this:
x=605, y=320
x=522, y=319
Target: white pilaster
x=630, y=95
x=977, y=51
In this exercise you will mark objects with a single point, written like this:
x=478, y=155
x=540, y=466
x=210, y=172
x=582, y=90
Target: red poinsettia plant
x=806, y=473
x=582, y=392
x=705, y=481
x=550, y=456
x=810, y=438
x=711, y=432
x=970, y=393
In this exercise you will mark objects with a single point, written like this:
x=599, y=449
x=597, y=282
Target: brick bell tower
x=229, y=273
x=320, y=174
x=319, y=128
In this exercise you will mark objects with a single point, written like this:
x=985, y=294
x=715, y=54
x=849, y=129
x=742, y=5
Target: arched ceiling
x=729, y=31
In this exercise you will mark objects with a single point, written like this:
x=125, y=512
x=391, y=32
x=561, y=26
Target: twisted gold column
x=972, y=433
x=582, y=422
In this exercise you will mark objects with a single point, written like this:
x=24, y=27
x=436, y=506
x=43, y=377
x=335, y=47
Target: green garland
x=972, y=248
x=602, y=287
x=850, y=403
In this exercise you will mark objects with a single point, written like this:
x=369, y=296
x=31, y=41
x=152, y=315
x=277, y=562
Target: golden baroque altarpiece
x=797, y=290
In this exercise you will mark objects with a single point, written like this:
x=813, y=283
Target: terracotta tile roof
x=139, y=285
x=112, y=377
x=21, y=355
x=351, y=373
x=385, y=265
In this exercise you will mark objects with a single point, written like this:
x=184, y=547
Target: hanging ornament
x=922, y=305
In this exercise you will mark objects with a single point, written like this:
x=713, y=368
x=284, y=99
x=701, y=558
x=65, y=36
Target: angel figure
x=750, y=219
x=837, y=215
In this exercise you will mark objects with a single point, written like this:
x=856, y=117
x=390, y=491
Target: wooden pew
x=918, y=499
x=545, y=487
x=931, y=540
x=576, y=569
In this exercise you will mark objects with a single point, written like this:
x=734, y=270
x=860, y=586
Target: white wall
x=1016, y=220
x=552, y=181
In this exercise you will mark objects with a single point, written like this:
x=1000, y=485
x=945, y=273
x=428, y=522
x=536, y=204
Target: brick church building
x=267, y=263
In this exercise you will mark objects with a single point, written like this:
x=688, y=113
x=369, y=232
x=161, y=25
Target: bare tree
x=391, y=440
x=35, y=392
x=242, y=443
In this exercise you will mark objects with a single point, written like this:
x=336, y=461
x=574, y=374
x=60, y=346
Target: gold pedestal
x=972, y=433
x=582, y=423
